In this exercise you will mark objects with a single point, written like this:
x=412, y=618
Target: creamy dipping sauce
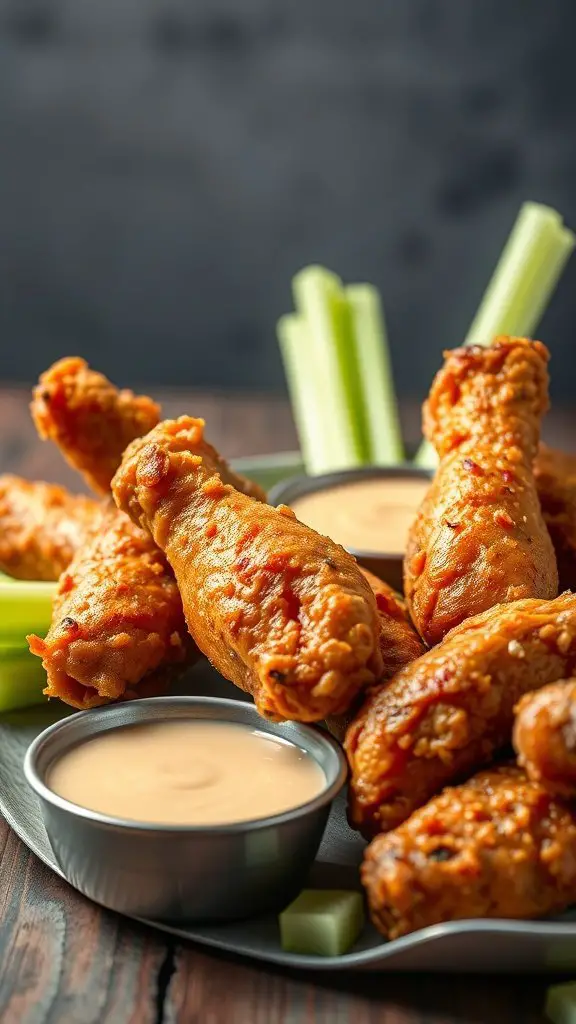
x=372, y=515
x=187, y=773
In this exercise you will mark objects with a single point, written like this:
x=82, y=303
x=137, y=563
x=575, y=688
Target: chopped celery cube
x=322, y=922
x=561, y=1003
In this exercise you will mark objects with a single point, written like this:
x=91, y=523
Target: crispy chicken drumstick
x=499, y=845
x=452, y=710
x=479, y=538
x=118, y=627
x=545, y=737
x=41, y=527
x=283, y=613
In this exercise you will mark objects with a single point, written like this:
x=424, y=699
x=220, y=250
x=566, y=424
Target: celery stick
x=312, y=424
x=380, y=409
x=322, y=922
x=318, y=297
x=25, y=607
x=22, y=678
x=525, y=277
x=522, y=284
x=561, y=1003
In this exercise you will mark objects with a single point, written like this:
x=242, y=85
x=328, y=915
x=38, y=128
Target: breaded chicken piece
x=118, y=628
x=499, y=845
x=399, y=642
x=555, y=474
x=89, y=419
x=92, y=422
x=452, y=710
x=280, y=611
x=479, y=538
x=545, y=737
x=41, y=527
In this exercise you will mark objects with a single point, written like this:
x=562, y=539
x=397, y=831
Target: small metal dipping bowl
x=175, y=873
x=387, y=565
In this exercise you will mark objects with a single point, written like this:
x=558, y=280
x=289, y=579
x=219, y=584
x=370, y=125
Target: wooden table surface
x=63, y=959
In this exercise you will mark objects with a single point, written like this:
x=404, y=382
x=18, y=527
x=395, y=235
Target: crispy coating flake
x=555, y=474
x=545, y=737
x=282, y=612
x=89, y=419
x=479, y=538
x=118, y=628
x=41, y=527
x=452, y=710
x=499, y=845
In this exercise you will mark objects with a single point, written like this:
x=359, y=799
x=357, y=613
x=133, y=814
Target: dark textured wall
x=165, y=167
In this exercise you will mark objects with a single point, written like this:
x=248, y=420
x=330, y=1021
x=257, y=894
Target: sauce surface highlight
x=192, y=772
x=366, y=515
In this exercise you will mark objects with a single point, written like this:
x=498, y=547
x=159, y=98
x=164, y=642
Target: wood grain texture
x=62, y=959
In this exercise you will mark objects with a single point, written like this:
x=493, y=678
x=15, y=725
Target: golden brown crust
x=555, y=474
x=118, y=628
x=545, y=737
x=450, y=711
x=41, y=527
x=479, y=538
x=497, y=846
x=283, y=613
x=89, y=419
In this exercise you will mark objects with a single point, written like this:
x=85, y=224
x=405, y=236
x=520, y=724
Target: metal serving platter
x=471, y=946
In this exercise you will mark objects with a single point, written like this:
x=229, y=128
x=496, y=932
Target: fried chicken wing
x=450, y=711
x=118, y=628
x=545, y=737
x=280, y=611
x=499, y=845
x=479, y=538
x=41, y=527
x=90, y=420
x=555, y=474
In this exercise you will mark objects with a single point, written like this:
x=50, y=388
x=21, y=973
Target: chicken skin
x=479, y=538
x=499, y=845
x=118, y=628
x=89, y=419
x=452, y=710
x=555, y=474
x=545, y=737
x=280, y=611
x=41, y=527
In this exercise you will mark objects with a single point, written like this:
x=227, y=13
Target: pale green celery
x=329, y=359
x=25, y=607
x=312, y=422
x=22, y=678
x=322, y=922
x=561, y=1003
x=382, y=424
x=522, y=284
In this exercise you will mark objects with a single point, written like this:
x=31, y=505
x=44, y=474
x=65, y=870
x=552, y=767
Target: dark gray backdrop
x=165, y=167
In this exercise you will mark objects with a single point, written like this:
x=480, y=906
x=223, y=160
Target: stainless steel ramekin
x=175, y=873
